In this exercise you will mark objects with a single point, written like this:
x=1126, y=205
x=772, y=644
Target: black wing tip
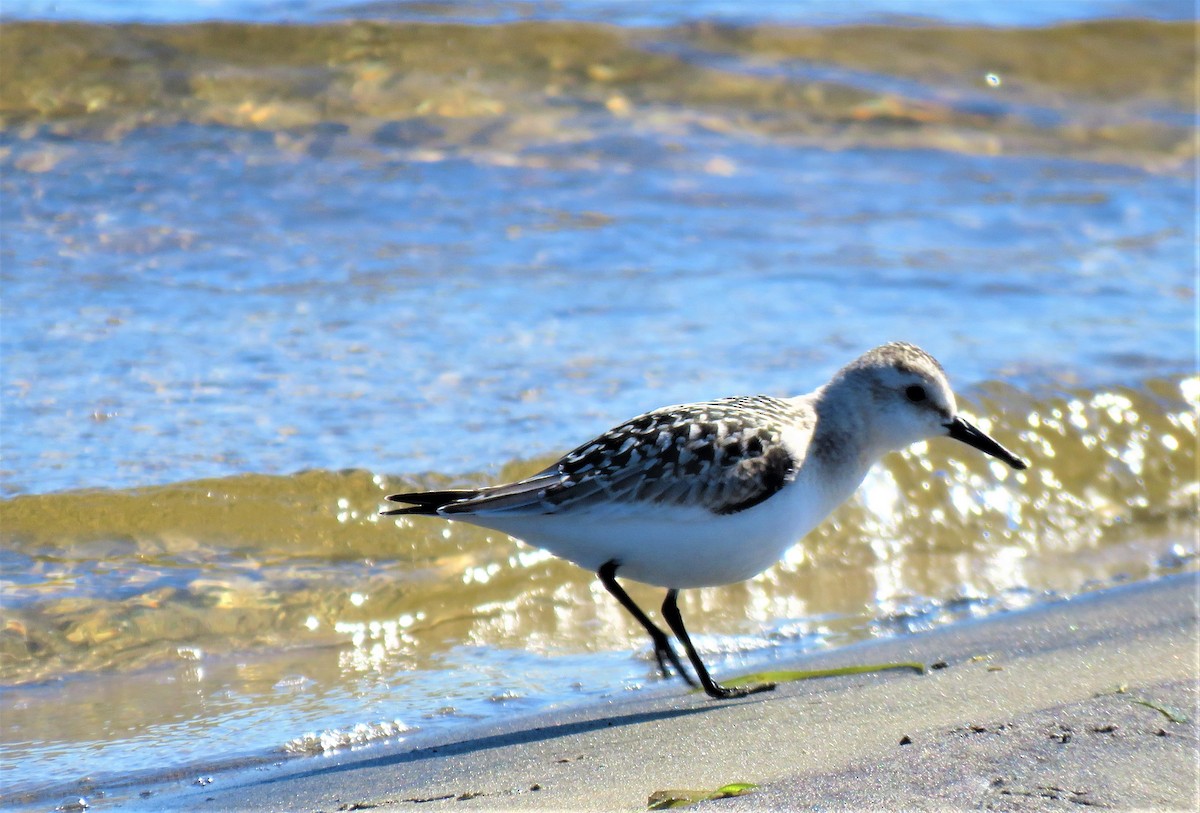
x=424, y=503
x=428, y=497
x=417, y=510
x=418, y=505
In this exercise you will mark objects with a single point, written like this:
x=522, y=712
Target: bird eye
x=915, y=394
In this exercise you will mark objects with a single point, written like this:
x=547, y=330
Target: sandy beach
x=1088, y=702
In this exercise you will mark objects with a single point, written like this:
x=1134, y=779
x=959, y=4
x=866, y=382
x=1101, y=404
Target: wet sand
x=1087, y=702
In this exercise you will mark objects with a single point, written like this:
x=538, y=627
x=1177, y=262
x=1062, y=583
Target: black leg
x=670, y=611
x=662, y=646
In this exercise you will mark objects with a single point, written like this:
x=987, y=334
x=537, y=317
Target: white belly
x=675, y=546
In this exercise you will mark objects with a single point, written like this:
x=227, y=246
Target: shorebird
x=715, y=492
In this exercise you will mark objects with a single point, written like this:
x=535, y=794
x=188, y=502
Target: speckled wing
x=725, y=456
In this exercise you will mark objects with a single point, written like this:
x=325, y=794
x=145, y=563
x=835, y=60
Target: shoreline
x=1087, y=701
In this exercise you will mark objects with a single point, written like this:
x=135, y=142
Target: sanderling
x=715, y=492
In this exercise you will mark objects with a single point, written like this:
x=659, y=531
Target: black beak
x=961, y=429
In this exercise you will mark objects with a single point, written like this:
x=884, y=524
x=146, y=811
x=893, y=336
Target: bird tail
x=523, y=496
x=426, y=503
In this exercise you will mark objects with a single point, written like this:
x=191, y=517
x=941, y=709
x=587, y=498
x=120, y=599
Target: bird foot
x=720, y=692
x=667, y=659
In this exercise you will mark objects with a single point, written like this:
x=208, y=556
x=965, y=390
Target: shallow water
x=256, y=277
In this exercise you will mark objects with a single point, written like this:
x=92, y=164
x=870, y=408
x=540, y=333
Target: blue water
x=191, y=302
x=624, y=12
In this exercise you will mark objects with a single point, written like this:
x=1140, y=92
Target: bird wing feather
x=724, y=456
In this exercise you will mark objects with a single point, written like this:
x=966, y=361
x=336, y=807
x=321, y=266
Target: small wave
x=445, y=88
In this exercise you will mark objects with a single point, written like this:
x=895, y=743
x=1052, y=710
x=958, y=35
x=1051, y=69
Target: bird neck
x=843, y=443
